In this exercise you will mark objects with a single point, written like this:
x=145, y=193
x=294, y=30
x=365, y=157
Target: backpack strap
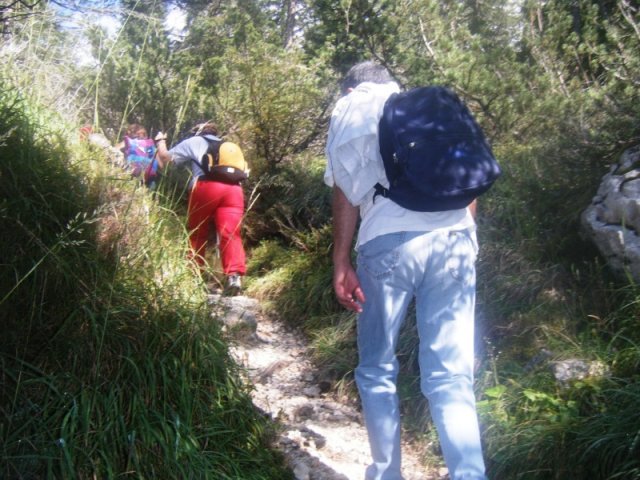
x=207, y=161
x=380, y=190
x=213, y=153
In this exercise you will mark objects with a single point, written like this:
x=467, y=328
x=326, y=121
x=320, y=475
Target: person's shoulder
x=211, y=141
x=188, y=142
x=366, y=95
x=199, y=140
x=371, y=89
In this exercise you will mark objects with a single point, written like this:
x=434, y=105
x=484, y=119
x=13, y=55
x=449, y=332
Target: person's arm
x=164, y=157
x=345, y=280
x=473, y=208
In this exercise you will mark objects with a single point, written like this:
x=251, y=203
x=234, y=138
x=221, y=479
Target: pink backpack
x=140, y=158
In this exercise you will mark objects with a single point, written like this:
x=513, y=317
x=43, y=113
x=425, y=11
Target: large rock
x=612, y=221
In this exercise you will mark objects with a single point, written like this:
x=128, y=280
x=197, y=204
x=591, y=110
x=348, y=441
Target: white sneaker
x=234, y=284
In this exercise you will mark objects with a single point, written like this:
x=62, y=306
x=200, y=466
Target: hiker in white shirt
x=402, y=255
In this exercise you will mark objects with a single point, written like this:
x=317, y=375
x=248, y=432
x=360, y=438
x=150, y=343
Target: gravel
x=321, y=433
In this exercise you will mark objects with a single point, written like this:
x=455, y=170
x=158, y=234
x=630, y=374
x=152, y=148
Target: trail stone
x=301, y=471
x=305, y=412
x=573, y=369
x=313, y=391
x=236, y=313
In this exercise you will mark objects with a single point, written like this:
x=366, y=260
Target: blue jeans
x=438, y=269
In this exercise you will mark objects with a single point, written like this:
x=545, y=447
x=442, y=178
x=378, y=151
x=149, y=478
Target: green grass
x=111, y=363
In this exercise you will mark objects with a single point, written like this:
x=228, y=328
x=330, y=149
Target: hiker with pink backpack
x=140, y=155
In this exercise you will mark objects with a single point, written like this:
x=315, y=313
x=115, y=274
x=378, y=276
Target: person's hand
x=160, y=136
x=347, y=288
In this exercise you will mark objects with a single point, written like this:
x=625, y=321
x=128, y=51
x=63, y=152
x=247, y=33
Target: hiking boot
x=234, y=284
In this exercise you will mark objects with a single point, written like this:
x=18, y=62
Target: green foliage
x=554, y=84
x=276, y=102
x=139, y=79
x=41, y=226
x=349, y=31
x=299, y=281
x=558, y=106
x=35, y=58
x=292, y=200
x=263, y=94
x=111, y=364
x=537, y=427
x=586, y=430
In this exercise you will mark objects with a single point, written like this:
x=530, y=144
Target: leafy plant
x=111, y=363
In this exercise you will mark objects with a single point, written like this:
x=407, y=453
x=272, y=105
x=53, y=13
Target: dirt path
x=322, y=436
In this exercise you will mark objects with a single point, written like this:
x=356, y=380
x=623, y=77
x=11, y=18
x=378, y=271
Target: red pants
x=224, y=204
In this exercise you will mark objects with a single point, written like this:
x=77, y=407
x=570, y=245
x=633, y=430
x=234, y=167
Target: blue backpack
x=435, y=155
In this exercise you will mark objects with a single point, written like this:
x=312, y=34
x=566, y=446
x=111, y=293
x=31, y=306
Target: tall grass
x=111, y=364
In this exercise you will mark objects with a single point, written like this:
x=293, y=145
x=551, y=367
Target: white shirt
x=355, y=166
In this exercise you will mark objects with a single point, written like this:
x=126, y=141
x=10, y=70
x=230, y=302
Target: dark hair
x=134, y=129
x=205, y=128
x=365, y=72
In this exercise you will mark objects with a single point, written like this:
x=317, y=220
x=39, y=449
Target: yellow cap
x=230, y=155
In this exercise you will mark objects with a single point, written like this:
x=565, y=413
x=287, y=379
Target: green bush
x=111, y=363
x=289, y=202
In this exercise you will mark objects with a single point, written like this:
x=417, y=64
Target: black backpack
x=435, y=155
x=221, y=169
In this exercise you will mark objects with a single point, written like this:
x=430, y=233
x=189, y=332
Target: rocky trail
x=320, y=433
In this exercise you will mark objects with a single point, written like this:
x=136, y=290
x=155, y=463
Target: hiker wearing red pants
x=213, y=197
